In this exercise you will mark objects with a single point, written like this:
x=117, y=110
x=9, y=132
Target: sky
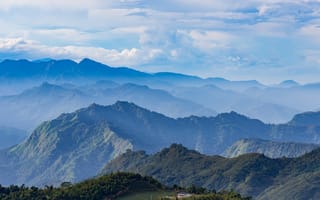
x=266, y=40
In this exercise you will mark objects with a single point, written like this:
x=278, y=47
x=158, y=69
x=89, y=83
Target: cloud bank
x=267, y=40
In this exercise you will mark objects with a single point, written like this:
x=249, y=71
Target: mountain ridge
x=63, y=149
x=47, y=101
x=86, y=68
x=269, y=148
x=250, y=174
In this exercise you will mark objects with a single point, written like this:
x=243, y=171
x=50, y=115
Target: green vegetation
x=122, y=186
x=148, y=195
x=172, y=195
x=251, y=174
x=105, y=187
x=218, y=196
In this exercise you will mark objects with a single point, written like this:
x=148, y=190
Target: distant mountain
x=62, y=69
x=269, y=148
x=272, y=104
x=155, y=100
x=302, y=97
x=59, y=71
x=11, y=136
x=288, y=84
x=238, y=86
x=178, y=79
x=250, y=174
x=306, y=119
x=226, y=100
x=75, y=146
x=47, y=101
x=33, y=106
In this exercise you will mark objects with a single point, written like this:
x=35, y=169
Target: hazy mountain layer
x=48, y=101
x=269, y=148
x=303, y=98
x=88, y=70
x=272, y=104
x=227, y=100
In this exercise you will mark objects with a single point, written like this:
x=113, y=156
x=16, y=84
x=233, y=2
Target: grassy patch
x=150, y=195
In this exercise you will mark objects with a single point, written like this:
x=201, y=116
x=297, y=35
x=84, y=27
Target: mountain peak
x=269, y=148
x=288, y=84
x=95, y=106
x=178, y=147
x=231, y=115
x=124, y=104
x=118, y=111
x=47, y=85
x=176, y=150
x=43, y=60
x=306, y=119
x=119, y=105
x=45, y=88
x=218, y=79
x=88, y=61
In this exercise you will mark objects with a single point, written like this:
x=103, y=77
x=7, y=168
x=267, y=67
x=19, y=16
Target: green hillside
x=249, y=174
x=122, y=186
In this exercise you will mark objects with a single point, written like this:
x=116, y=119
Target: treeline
x=105, y=187
x=109, y=187
x=219, y=196
x=200, y=193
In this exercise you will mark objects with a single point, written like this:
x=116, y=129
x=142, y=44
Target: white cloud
x=313, y=57
x=263, y=9
x=209, y=40
x=208, y=33
x=50, y=5
x=34, y=50
x=311, y=32
x=132, y=29
x=60, y=35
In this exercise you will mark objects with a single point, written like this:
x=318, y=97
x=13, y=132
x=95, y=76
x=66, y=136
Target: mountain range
x=72, y=137
x=68, y=70
x=222, y=100
x=251, y=174
x=75, y=146
x=47, y=101
x=269, y=148
x=186, y=95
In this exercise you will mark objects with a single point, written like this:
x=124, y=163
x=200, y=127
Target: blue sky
x=267, y=40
